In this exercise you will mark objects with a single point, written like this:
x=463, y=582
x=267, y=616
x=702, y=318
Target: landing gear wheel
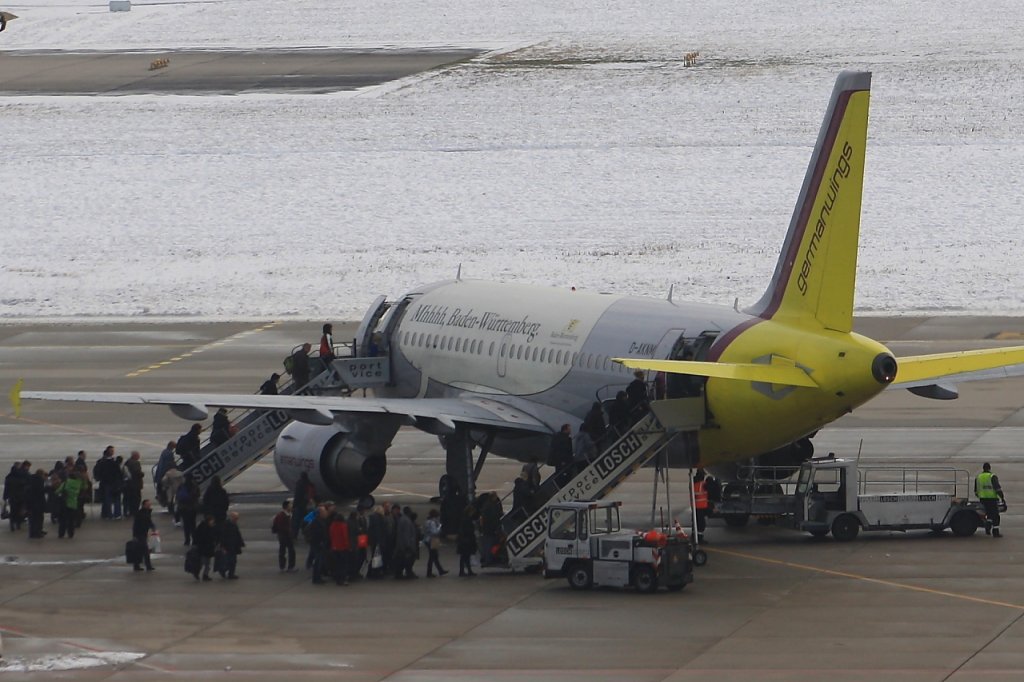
x=964, y=523
x=700, y=557
x=580, y=577
x=645, y=580
x=736, y=520
x=845, y=528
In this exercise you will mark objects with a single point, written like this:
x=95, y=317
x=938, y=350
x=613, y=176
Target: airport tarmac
x=770, y=605
x=211, y=72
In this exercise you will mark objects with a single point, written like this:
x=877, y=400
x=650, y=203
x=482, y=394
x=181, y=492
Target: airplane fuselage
x=549, y=351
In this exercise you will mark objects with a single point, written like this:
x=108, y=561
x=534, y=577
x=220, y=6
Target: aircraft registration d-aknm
x=503, y=366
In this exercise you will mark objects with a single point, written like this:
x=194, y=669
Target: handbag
x=435, y=543
x=154, y=542
x=376, y=561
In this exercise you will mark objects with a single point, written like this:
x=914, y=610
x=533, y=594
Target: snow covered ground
x=589, y=156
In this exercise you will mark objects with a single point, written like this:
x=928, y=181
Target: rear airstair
x=667, y=420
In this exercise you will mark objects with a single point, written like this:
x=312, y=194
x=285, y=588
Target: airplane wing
x=779, y=372
x=475, y=410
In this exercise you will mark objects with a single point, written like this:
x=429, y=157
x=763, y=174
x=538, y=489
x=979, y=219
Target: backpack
x=289, y=363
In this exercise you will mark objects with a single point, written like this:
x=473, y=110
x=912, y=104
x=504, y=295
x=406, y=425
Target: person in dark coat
x=302, y=497
x=141, y=525
x=220, y=432
x=376, y=528
x=618, y=414
x=35, y=502
x=15, y=489
x=300, y=367
x=319, y=543
x=594, y=422
x=282, y=528
x=205, y=541
x=406, y=543
x=560, y=454
x=636, y=395
x=107, y=474
x=231, y=543
x=215, y=501
x=188, y=447
x=133, y=484
x=186, y=500
x=466, y=542
x=269, y=387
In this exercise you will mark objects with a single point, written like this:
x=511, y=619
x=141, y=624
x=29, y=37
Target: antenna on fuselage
x=736, y=304
x=458, y=273
x=670, y=288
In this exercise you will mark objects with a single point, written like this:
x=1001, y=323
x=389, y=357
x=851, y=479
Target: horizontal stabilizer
x=917, y=368
x=781, y=374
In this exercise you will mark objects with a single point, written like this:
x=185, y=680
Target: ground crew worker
x=700, y=502
x=990, y=493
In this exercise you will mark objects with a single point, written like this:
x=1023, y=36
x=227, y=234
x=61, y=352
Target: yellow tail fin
x=815, y=276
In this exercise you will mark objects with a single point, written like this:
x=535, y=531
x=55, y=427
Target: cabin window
x=519, y=353
x=451, y=342
x=430, y=337
x=458, y=345
x=558, y=357
x=536, y=352
x=590, y=361
x=605, y=364
x=490, y=350
x=502, y=349
x=543, y=354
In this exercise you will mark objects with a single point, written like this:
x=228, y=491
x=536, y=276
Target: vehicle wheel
x=819, y=532
x=845, y=528
x=644, y=579
x=580, y=577
x=700, y=557
x=736, y=520
x=964, y=523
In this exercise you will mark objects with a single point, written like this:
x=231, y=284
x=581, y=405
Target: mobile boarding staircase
x=667, y=420
x=256, y=431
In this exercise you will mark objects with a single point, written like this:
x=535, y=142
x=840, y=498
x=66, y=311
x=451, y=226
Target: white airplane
x=503, y=366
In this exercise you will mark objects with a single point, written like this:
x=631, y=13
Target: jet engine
x=341, y=462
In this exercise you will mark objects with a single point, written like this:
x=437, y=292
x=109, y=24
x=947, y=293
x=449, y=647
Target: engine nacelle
x=341, y=463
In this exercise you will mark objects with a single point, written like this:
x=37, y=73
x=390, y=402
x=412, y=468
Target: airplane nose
x=884, y=368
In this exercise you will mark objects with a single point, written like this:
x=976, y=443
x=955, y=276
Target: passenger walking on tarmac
x=269, y=387
x=432, y=539
x=35, y=503
x=15, y=488
x=991, y=494
x=141, y=525
x=133, y=484
x=304, y=495
x=319, y=541
x=376, y=528
x=231, y=543
x=341, y=548
x=215, y=501
x=327, y=345
x=282, y=528
x=187, y=499
x=700, y=502
x=70, y=492
x=300, y=367
x=171, y=483
x=405, y=544
x=205, y=541
x=107, y=474
x=188, y=446
x=466, y=542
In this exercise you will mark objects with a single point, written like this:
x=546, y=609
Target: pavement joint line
x=985, y=646
x=865, y=578
x=220, y=342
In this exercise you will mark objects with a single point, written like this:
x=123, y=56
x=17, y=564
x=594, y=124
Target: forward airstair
x=667, y=420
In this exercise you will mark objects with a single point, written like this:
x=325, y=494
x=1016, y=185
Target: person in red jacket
x=341, y=548
x=327, y=344
x=700, y=502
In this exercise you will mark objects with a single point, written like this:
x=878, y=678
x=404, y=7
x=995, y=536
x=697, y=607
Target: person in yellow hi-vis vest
x=990, y=493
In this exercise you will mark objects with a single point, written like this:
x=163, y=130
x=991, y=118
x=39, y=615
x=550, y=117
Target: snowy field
x=581, y=151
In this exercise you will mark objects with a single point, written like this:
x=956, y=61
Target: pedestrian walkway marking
x=865, y=578
x=200, y=349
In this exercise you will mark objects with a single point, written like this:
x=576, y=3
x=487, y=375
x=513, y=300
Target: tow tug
x=586, y=545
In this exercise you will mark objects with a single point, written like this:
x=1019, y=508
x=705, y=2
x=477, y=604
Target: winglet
x=816, y=272
x=15, y=397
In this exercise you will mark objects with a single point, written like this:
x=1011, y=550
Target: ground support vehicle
x=835, y=495
x=586, y=545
